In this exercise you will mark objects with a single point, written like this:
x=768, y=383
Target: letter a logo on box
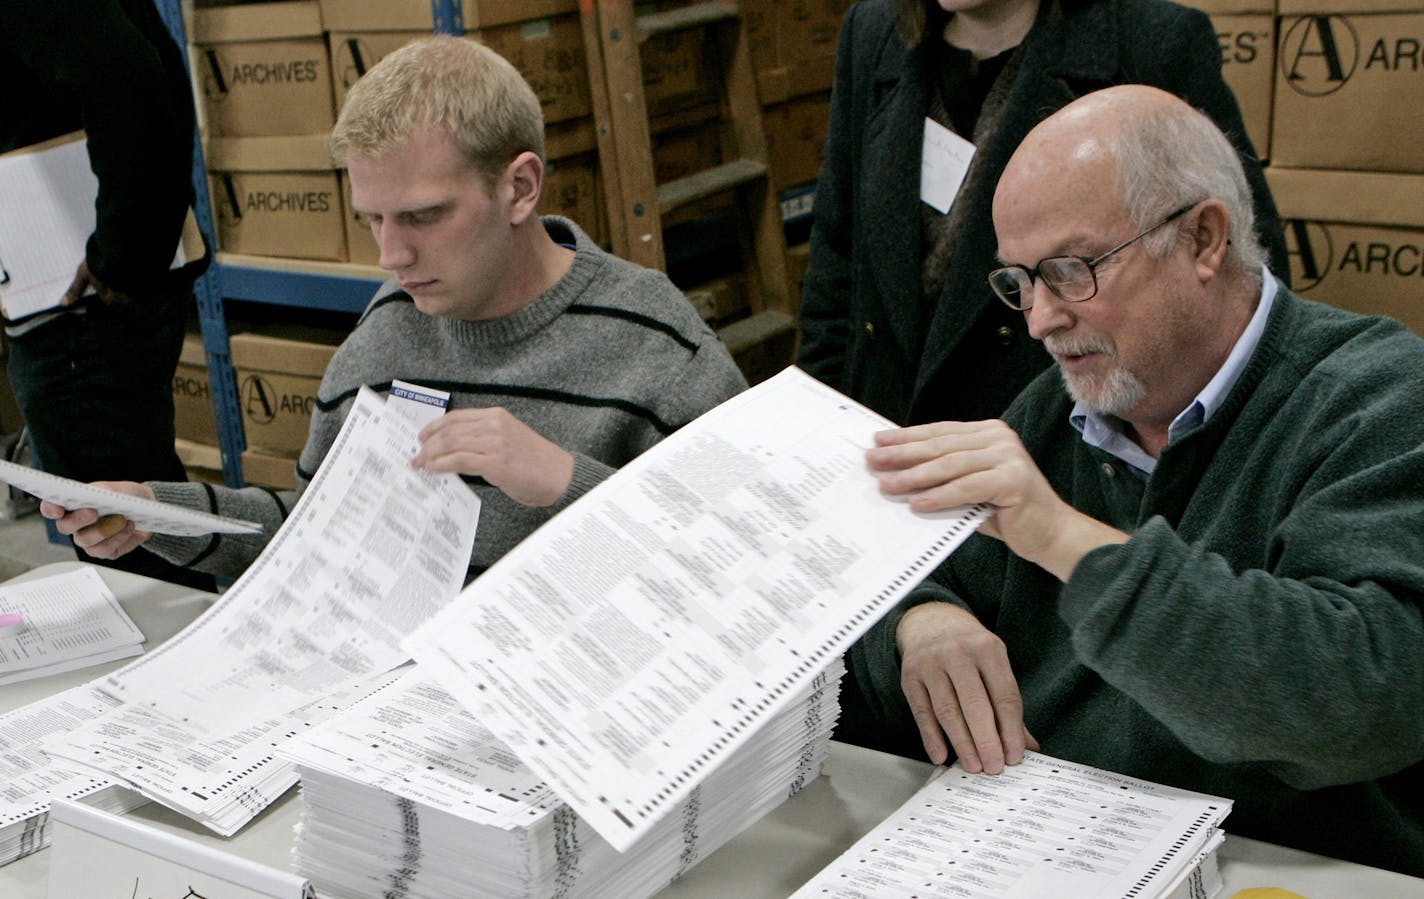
x=258, y=400
x=1319, y=54
x=1311, y=252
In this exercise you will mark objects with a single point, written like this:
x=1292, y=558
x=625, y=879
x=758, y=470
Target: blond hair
x=460, y=85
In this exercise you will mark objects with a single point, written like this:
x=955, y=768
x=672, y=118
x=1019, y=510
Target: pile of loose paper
x=1043, y=829
x=407, y=794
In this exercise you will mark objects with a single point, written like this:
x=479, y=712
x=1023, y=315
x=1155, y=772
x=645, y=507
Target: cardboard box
x=809, y=29
x=571, y=189
x=417, y=15
x=277, y=196
x=677, y=73
x=1356, y=239
x=805, y=34
x=192, y=397
x=278, y=373
x=269, y=469
x=360, y=242
x=202, y=462
x=1246, y=33
x=1347, y=74
x=796, y=139
x=354, y=52
x=549, y=54
x=263, y=69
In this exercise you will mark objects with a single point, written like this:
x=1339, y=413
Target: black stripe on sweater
x=520, y=390
x=216, y=539
x=636, y=318
x=399, y=296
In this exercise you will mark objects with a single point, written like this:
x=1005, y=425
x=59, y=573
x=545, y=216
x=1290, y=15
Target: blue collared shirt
x=1106, y=431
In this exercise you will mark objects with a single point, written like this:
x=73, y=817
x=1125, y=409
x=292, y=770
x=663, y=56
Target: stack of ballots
x=407, y=794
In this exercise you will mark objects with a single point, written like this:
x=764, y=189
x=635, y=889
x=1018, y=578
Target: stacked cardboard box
x=193, y=419
x=1346, y=170
x=265, y=80
x=278, y=372
x=1246, y=32
x=544, y=40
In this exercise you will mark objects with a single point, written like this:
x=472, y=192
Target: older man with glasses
x=1206, y=564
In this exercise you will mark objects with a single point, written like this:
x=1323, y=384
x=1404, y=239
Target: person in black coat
x=94, y=377
x=895, y=309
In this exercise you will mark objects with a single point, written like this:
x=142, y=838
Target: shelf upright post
x=222, y=384
x=449, y=16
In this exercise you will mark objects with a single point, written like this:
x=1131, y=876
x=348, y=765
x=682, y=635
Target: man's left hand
x=945, y=464
x=491, y=443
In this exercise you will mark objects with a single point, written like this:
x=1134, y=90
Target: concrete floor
x=24, y=545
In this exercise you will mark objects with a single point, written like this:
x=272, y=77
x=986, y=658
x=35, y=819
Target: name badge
x=944, y=161
x=416, y=404
x=94, y=853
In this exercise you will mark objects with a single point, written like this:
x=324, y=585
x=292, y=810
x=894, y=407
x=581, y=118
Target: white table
x=768, y=861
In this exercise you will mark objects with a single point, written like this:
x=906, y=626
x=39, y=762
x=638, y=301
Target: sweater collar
x=1107, y=433
x=520, y=324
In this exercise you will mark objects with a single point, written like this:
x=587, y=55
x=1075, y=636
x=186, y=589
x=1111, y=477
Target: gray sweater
x=606, y=363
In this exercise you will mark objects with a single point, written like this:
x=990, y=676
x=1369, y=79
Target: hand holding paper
x=137, y=506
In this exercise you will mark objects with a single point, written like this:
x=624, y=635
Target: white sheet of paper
x=372, y=550
x=944, y=161
x=630, y=644
x=72, y=620
x=1044, y=828
x=47, y=213
x=32, y=778
x=146, y=514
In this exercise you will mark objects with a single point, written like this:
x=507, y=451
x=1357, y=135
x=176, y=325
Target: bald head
x=1142, y=150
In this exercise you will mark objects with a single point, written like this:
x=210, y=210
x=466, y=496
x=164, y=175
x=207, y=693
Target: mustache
x=1078, y=346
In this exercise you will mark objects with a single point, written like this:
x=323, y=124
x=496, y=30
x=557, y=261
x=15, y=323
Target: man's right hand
x=103, y=537
x=956, y=676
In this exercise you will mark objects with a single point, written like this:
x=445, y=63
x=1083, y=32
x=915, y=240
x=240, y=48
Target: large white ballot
x=372, y=550
x=631, y=644
x=1043, y=829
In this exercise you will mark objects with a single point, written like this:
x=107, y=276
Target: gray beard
x=1117, y=394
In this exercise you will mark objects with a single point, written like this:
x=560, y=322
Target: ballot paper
x=71, y=620
x=146, y=514
x=30, y=779
x=406, y=793
x=372, y=549
x=630, y=645
x=1044, y=828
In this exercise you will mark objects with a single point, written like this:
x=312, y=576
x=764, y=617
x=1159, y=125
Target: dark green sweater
x=1260, y=636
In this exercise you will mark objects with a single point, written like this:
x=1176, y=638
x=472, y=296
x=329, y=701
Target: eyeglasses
x=1074, y=278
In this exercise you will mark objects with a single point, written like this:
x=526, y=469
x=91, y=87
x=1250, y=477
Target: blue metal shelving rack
x=255, y=283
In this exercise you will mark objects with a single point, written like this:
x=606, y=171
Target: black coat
x=111, y=68
x=860, y=299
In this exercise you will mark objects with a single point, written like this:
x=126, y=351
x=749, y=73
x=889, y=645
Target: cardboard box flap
x=268, y=469
x=297, y=350
x=193, y=352
x=1375, y=198
x=197, y=455
x=305, y=153
x=257, y=22
x=416, y=15
x=1233, y=7
x=1344, y=7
